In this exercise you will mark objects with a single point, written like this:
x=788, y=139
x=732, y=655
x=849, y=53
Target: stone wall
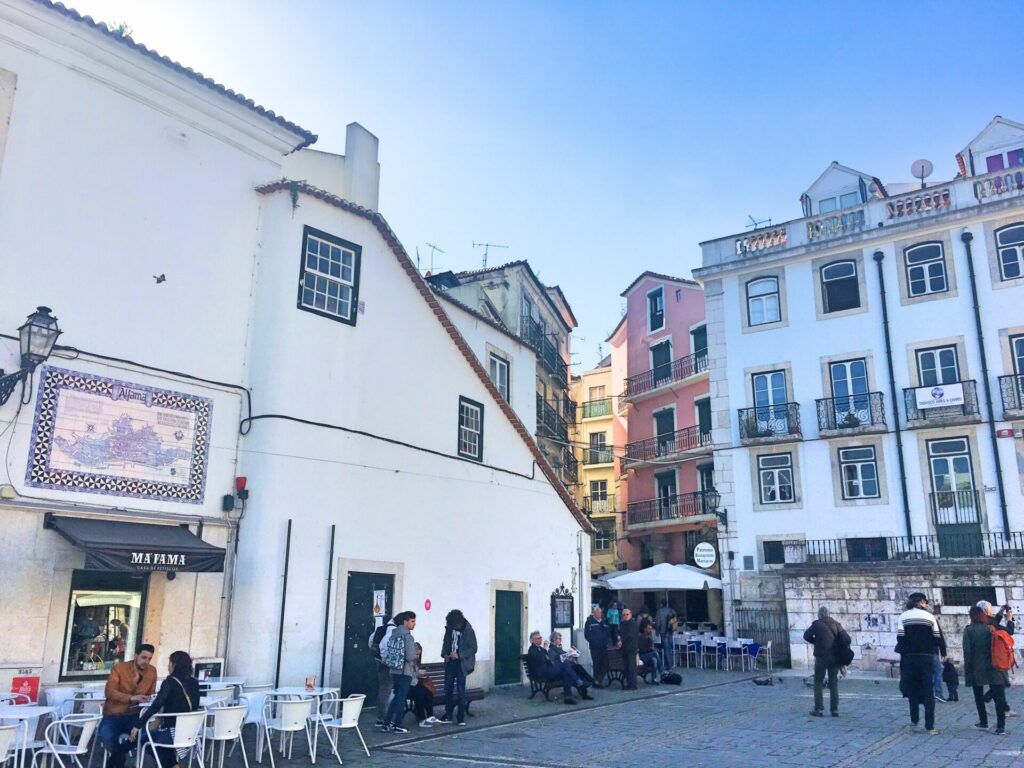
x=868, y=599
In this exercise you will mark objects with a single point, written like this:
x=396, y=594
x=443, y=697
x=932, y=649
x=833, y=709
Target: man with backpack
x=377, y=639
x=399, y=656
x=831, y=651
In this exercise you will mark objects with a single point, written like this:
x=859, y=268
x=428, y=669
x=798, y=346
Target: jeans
x=422, y=702
x=110, y=731
x=821, y=668
x=564, y=674
x=937, y=678
x=400, y=686
x=653, y=659
x=384, y=685
x=998, y=696
x=916, y=670
x=454, y=689
x=668, y=650
x=599, y=655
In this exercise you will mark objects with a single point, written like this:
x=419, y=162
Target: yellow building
x=597, y=492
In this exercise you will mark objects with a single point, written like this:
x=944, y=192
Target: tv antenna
x=921, y=169
x=433, y=249
x=487, y=247
x=758, y=223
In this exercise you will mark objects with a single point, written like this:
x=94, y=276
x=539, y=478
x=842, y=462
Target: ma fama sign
x=158, y=561
x=147, y=560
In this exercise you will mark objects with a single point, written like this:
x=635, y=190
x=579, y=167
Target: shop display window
x=104, y=622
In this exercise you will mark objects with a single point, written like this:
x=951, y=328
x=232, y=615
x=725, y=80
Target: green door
x=508, y=637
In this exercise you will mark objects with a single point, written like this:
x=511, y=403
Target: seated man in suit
x=543, y=668
x=568, y=656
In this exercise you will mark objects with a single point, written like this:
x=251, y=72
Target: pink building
x=659, y=352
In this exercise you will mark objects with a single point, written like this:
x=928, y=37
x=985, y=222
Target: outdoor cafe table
x=29, y=713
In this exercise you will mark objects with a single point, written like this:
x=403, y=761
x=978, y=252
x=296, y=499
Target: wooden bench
x=617, y=669
x=435, y=673
x=538, y=686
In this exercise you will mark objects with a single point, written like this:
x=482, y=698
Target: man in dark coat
x=458, y=649
x=542, y=667
x=629, y=641
x=598, y=635
x=823, y=634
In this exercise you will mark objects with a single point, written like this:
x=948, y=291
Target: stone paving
x=716, y=720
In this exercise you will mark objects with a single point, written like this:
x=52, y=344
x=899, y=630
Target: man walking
x=917, y=640
x=400, y=657
x=379, y=638
x=629, y=642
x=664, y=622
x=129, y=685
x=458, y=649
x=825, y=633
x=597, y=634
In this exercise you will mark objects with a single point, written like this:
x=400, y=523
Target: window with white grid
x=329, y=280
x=471, y=429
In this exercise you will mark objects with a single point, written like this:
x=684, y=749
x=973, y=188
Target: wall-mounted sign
x=704, y=555
x=97, y=435
x=380, y=603
x=939, y=396
x=562, y=603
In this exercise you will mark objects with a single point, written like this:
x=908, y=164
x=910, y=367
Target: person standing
x=979, y=670
x=400, y=656
x=614, y=615
x=664, y=622
x=951, y=677
x=379, y=639
x=458, y=649
x=629, y=642
x=937, y=669
x=825, y=634
x=130, y=684
x=597, y=636
x=917, y=640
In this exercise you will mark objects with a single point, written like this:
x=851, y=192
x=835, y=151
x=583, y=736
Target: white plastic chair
x=290, y=717
x=187, y=732
x=9, y=741
x=220, y=692
x=708, y=648
x=348, y=719
x=734, y=651
x=59, y=741
x=226, y=726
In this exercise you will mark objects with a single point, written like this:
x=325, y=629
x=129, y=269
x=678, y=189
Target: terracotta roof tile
x=659, y=276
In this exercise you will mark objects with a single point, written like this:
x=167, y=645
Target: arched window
x=839, y=287
x=763, y=301
x=926, y=269
x=1010, y=247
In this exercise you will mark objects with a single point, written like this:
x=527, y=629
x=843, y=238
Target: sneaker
x=817, y=713
x=940, y=698
x=433, y=720
x=1012, y=713
x=445, y=720
x=425, y=724
x=398, y=729
x=980, y=726
x=933, y=732
x=999, y=732
x=378, y=723
x=382, y=727
x=462, y=723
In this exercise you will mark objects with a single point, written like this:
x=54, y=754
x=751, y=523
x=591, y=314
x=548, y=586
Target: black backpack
x=378, y=635
x=841, y=650
x=672, y=678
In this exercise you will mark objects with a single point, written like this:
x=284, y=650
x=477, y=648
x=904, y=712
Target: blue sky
x=600, y=139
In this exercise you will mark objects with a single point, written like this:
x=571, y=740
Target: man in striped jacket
x=918, y=639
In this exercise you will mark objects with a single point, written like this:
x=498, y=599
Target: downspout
x=966, y=237
x=894, y=394
x=284, y=603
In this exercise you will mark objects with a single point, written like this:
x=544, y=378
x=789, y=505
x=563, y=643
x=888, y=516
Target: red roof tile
x=659, y=276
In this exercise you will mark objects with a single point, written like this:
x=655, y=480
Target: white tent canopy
x=665, y=576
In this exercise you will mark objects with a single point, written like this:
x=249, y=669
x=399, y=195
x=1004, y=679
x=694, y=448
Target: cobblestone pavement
x=716, y=720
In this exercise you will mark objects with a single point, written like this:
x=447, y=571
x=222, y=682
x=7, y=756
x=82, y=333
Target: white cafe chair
x=9, y=741
x=226, y=726
x=287, y=716
x=59, y=741
x=188, y=727
x=348, y=711
x=219, y=692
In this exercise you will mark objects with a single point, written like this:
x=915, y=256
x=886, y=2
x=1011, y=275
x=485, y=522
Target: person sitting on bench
x=568, y=656
x=543, y=668
x=650, y=657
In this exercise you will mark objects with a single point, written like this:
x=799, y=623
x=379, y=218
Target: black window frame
x=941, y=260
x=778, y=298
x=777, y=555
x=965, y=596
x=479, y=456
x=825, y=303
x=849, y=462
x=658, y=293
x=357, y=250
x=1019, y=247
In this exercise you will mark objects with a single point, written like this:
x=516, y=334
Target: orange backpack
x=1002, y=650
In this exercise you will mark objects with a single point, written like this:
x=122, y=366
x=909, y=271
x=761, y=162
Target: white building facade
x=865, y=367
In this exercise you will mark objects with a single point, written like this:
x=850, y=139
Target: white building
x=865, y=360
x=138, y=200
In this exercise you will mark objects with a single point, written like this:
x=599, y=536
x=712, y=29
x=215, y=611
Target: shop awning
x=666, y=576
x=116, y=545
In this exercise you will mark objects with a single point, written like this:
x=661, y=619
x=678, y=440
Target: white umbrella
x=665, y=576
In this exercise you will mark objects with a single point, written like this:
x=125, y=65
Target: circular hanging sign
x=704, y=555
x=426, y=605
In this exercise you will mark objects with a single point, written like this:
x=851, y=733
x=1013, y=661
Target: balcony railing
x=675, y=507
x=570, y=467
x=598, y=456
x=600, y=505
x=835, y=224
x=1012, y=390
x=547, y=352
x=903, y=548
x=941, y=401
x=955, y=507
x=851, y=411
x=688, y=439
x=549, y=423
x=768, y=421
x=761, y=240
x=999, y=184
x=932, y=200
x=568, y=409
x=660, y=375
x=594, y=408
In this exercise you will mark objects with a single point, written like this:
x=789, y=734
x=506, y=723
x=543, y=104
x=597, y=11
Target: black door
x=358, y=668
x=508, y=637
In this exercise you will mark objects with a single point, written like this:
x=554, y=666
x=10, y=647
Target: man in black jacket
x=458, y=649
x=597, y=634
x=543, y=668
x=824, y=633
x=629, y=641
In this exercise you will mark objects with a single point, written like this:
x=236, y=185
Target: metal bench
x=435, y=673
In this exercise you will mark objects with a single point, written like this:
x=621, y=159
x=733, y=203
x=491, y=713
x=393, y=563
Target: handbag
x=429, y=685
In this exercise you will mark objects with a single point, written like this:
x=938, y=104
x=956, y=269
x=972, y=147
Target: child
x=951, y=678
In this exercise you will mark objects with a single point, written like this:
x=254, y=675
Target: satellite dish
x=921, y=169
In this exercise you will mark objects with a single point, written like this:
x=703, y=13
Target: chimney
x=361, y=172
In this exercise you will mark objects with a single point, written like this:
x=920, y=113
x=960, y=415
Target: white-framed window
x=498, y=368
x=840, y=288
x=858, y=468
x=604, y=535
x=775, y=478
x=1010, y=247
x=763, y=301
x=329, y=276
x=471, y=429
x=938, y=365
x=926, y=269
x=829, y=204
x=655, y=310
x=598, y=490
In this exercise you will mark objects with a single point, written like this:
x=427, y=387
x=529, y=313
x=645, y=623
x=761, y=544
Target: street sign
x=1010, y=433
x=704, y=555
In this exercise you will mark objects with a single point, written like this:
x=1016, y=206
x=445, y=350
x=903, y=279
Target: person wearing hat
x=918, y=640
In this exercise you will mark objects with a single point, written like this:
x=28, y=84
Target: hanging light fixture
x=37, y=337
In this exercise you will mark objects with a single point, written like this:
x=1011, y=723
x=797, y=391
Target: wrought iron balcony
x=1012, y=390
x=598, y=456
x=600, y=505
x=770, y=423
x=549, y=423
x=592, y=409
x=956, y=507
x=570, y=467
x=669, y=508
x=942, y=403
x=851, y=412
x=660, y=375
x=547, y=352
x=879, y=549
x=568, y=408
x=671, y=444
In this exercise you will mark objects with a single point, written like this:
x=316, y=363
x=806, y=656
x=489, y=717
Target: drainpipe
x=966, y=237
x=879, y=256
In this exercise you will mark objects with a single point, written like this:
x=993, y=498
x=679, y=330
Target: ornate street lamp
x=712, y=498
x=37, y=335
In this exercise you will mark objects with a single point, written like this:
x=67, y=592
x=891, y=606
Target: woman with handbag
x=422, y=693
x=178, y=693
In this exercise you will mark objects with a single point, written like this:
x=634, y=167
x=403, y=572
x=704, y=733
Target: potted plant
x=850, y=420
